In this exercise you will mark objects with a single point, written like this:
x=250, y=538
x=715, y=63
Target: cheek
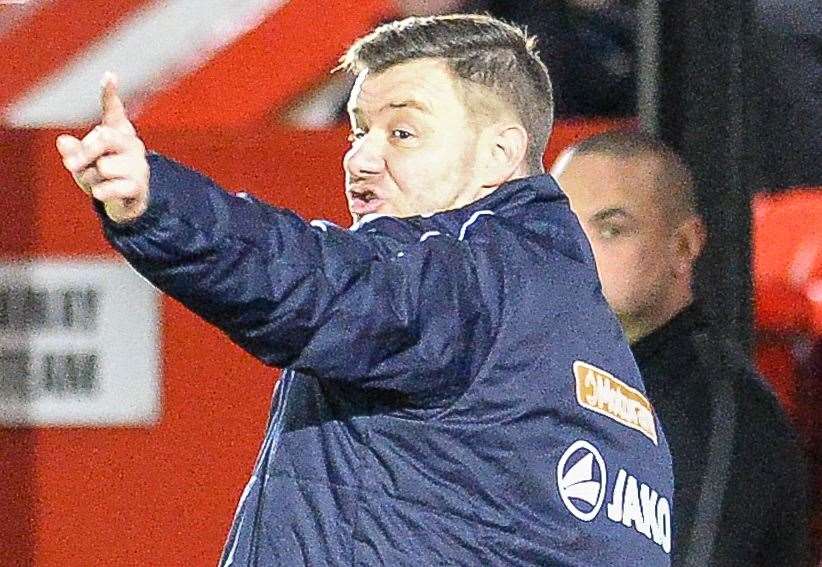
x=610, y=255
x=408, y=176
x=621, y=268
x=430, y=177
x=422, y=175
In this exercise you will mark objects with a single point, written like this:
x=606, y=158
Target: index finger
x=113, y=110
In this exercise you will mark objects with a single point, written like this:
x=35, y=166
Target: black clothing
x=590, y=53
x=763, y=515
x=786, y=93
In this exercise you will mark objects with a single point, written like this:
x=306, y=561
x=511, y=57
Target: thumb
x=113, y=110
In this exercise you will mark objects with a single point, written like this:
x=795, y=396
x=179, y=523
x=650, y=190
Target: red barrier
x=787, y=269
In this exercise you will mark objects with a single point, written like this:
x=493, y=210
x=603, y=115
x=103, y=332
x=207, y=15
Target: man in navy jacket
x=456, y=391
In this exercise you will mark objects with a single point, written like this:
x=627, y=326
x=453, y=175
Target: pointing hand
x=109, y=163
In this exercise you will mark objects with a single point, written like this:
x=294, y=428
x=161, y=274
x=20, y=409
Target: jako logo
x=581, y=485
x=637, y=505
x=582, y=482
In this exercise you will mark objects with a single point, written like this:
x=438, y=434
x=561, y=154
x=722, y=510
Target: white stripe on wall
x=163, y=41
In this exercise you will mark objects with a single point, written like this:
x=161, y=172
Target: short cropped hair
x=674, y=181
x=478, y=49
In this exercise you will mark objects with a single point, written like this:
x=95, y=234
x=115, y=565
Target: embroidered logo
x=603, y=393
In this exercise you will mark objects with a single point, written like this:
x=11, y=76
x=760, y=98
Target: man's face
x=414, y=145
x=630, y=233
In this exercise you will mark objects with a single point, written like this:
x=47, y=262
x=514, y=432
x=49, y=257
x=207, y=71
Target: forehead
x=428, y=83
x=597, y=181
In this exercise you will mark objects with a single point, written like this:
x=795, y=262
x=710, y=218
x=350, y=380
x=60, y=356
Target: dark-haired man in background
x=444, y=403
x=739, y=481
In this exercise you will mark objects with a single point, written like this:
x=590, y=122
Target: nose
x=365, y=158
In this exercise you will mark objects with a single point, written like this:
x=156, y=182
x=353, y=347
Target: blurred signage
x=79, y=344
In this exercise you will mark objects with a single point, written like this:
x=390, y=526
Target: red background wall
x=165, y=494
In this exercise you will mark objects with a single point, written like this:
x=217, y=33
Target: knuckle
x=103, y=166
x=97, y=134
x=90, y=144
x=124, y=189
x=108, y=190
x=105, y=134
x=100, y=193
x=131, y=143
x=107, y=166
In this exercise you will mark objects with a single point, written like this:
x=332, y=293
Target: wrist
x=123, y=211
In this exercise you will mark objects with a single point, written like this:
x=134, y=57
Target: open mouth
x=364, y=196
x=364, y=202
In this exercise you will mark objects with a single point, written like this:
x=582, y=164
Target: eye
x=356, y=134
x=610, y=232
x=401, y=134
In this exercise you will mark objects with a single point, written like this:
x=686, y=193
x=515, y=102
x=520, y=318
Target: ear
x=507, y=146
x=689, y=241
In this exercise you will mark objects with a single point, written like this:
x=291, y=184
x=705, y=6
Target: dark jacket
x=762, y=518
x=446, y=399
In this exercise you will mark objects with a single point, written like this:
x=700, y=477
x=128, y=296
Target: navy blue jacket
x=456, y=390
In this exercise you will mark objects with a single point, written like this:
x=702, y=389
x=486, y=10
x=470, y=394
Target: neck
x=639, y=325
x=483, y=191
x=637, y=329
x=475, y=196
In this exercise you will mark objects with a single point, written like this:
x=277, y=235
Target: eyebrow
x=611, y=213
x=409, y=103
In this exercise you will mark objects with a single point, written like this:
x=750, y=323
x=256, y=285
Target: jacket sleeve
x=322, y=300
